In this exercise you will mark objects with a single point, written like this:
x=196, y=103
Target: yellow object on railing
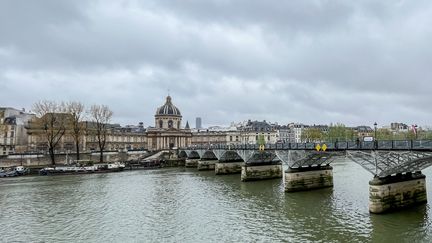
x=319, y=147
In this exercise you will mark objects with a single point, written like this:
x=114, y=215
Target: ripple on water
x=179, y=205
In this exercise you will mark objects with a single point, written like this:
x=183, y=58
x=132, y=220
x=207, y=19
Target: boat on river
x=83, y=169
x=14, y=171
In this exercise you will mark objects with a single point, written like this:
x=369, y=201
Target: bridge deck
x=401, y=145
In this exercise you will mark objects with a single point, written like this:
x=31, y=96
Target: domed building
x=168, y=133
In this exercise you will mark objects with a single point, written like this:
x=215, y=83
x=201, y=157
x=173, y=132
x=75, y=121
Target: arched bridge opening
x=193, y=155
x=230, y=156
x=182, y=154
x=209, y=155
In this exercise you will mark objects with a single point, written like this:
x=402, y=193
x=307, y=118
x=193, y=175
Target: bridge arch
x=386, y=163
x=230, y=156
x=209, y=155
x=263, y=157
x=182, y=154
x=193, y=155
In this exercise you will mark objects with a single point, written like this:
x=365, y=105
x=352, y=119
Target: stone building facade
x=168, y=132
x=206, y=137
x=118, y=138
x=13, y=132
x=253, y=130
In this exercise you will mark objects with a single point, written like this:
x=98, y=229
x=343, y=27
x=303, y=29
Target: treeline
x=56, y=119
x=340, y=132
x=385, y=134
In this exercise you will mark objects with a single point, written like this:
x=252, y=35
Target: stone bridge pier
x=309, y=170
x=192, y=159
x=398, y=181
x=229, y=162
x=260, y=166
x=397, y=191
x=207, y=161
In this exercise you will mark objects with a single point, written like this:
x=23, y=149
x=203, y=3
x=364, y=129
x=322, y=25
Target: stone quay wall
x=34, y=160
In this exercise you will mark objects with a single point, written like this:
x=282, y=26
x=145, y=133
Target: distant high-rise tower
x=198, y=123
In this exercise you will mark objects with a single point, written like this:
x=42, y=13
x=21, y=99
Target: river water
x=184, y=205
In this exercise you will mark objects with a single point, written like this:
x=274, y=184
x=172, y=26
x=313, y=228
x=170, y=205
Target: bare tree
x=51, y=123
x=101, y=116
x=77, y=126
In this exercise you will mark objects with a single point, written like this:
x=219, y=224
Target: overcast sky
x=314, y=61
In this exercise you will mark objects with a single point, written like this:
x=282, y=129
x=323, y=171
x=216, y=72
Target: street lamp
x=375, y=126
x=375, y=138
x=376, y=146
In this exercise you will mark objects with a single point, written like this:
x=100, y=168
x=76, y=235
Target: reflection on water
x=189, y=206
x=411, y=225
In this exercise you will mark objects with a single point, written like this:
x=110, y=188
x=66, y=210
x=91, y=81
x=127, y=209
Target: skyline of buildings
x=17, y=135
x=209, y=124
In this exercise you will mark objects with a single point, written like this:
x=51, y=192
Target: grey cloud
x=283, y=15
x=311, y=61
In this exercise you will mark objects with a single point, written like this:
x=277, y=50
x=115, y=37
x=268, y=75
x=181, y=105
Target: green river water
x=186, y=205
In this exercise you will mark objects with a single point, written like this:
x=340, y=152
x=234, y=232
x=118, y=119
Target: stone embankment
x=37, y=160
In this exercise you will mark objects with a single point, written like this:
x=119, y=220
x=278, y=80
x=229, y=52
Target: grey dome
x=168, y=109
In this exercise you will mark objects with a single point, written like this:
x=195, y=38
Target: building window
x=230, y=138
x=170, y=124
x=160, y=123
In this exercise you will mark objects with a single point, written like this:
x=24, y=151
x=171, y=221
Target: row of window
x=11, y=134
x=126, y=139
x=8, y=141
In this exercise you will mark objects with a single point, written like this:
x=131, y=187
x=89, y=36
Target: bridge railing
x=422, y=144
x=339, y=145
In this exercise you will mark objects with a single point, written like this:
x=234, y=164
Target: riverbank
x=130, y=165
x=41, y=160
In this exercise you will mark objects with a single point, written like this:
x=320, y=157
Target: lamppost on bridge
x=375, y=137
x=375, y=146
x=375, y=126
